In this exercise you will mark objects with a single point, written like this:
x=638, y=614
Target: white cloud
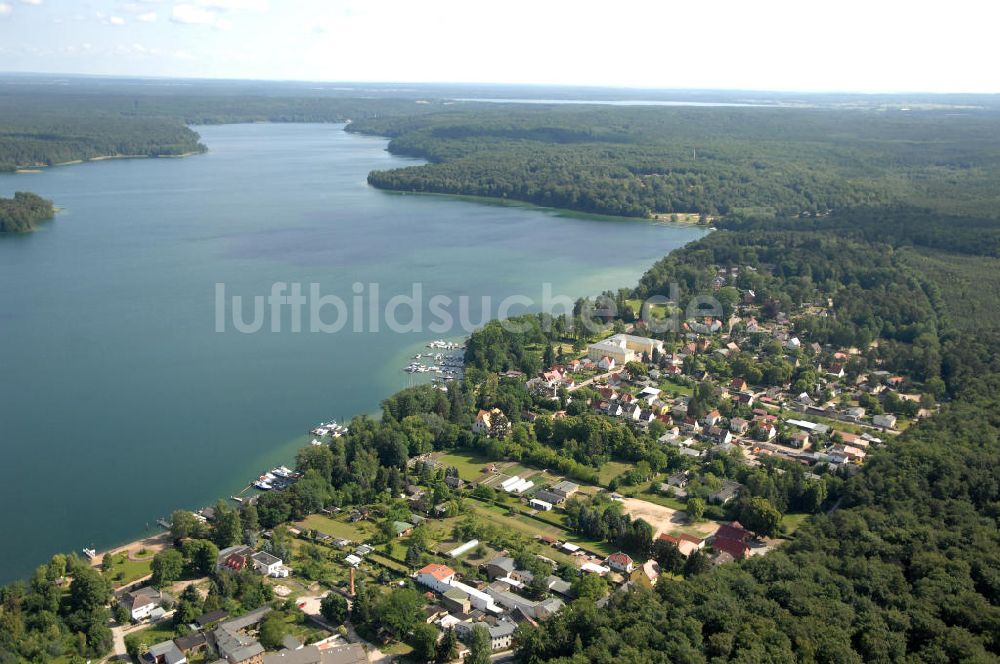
x=116, y=20
x=148, y=17
x=192, y=15
x=206, y=12
x=5, y=9
x=235, y=5
x=31, y=2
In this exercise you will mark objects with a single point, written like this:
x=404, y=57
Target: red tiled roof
x=620, y=559
x=738, y=550
x=438, y=571
x=732, y=531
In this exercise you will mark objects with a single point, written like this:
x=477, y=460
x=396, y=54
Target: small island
x=21, y=213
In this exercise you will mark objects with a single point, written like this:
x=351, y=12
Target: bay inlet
x=119, y=400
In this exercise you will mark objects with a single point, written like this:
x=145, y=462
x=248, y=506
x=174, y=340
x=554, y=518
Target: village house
x=732, y=538
x=726, y=492
x=268, y=565
x=501, y=634
x=142, y=603
x=620, y=562
x=166, y=652
x=492, y=423
x=884, y=421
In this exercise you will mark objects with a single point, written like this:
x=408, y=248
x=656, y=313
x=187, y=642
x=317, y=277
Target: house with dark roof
x=726, y=492
x=206, y=619
x=500, y=567
x=164, y=653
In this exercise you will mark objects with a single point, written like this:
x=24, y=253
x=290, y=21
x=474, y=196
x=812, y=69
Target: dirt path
x=152, y=545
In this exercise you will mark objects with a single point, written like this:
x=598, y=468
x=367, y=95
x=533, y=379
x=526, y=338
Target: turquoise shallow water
x=120, y=402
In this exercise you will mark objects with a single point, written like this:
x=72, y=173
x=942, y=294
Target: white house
x=142, y=602
x=268, y=565
x=620, y=562
x=436, y=576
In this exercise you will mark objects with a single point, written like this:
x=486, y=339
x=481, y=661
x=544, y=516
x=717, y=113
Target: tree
x=590, y=587
x=423, y=640
x=697, y=563
x=695, y=508
x=760, y=516
x=201, y=554
x=362, y=609
x=480, y=645
x=447, y=647
x=122, y=616
x=398, y=611
x=334, y=608
x=183, y=524
x=228, y=527
x=167, y=567
x=272, y=630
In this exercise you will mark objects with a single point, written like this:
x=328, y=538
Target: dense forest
x=639, y=161
x=43, y=126
x=20, y=213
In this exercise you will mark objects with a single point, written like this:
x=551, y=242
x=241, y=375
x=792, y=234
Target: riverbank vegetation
x=21, y=213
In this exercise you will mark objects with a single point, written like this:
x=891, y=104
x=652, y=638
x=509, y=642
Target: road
x=310, y=605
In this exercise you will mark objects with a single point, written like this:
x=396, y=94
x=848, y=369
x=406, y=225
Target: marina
x=447, y=363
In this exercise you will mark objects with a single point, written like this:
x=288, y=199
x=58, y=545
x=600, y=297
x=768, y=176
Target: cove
x=119, y=400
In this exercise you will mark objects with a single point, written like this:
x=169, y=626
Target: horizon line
x=644, y=89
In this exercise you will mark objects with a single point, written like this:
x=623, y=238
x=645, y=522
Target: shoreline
x=557, y=211
x=40, y=168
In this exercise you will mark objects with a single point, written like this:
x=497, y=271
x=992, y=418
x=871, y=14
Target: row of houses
x=495, y=606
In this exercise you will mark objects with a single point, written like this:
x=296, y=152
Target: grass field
x=357, y=532
x=151, y=635
x=124, y=571
x=532, y=527
x=611, y=470
x=791, y=522
x=470, y=465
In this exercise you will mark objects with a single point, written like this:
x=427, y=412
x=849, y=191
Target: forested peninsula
x=21, y=213
x=658, y=162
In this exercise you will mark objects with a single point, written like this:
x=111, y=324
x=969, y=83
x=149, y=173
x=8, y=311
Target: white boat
x=90, y=553
x=263, y=485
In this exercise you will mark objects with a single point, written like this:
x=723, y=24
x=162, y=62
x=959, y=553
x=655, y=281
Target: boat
x=90, y=553
x=263, y=485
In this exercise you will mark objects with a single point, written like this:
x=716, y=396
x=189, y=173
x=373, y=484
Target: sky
x=800, y=45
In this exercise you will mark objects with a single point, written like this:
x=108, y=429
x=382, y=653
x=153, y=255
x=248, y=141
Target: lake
x=119, y=399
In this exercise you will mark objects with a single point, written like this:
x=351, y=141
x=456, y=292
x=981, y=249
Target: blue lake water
x=119, y=400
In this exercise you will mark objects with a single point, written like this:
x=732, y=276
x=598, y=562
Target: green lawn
x=611, y=470
x=532, y=527
x=470, y=465
x=357, y=532
x=124, y=571
x=675, y=390
x=791, y=522
x=151, y=635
